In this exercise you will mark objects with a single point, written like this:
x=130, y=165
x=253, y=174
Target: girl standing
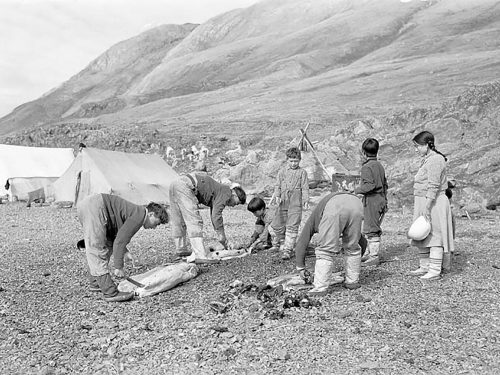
x=431, y=202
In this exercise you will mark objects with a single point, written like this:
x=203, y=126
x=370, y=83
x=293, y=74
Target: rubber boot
x=276, y=242
x=352, y=271
x=423, y=253
x=180, y=247
x=365, y=251
x=373, y=249
x=200, y=255
x=446, y=263
x=111, y=293
x=435, y=264
x=322, y=277
x=93, y=284
x=289, y=245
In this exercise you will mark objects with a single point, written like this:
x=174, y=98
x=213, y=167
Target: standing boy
x=185, y=195
x=338, y=215
x=261, y=238
x=291, y=194
x=373, y=187
x=109, y=223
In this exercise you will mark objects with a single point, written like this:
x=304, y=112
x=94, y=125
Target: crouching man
x=109, y=223
x=185, y=195
x=338, y=215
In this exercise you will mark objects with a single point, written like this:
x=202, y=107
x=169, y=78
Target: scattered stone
x=361, y=298
x=236, y=284
x=219, y=329
x=283, y=355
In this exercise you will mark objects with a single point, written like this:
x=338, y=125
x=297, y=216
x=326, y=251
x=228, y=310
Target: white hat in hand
x=420, y=229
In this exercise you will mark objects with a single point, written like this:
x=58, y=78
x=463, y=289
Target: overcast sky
x=45, y=42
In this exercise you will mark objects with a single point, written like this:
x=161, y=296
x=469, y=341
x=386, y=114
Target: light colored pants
x=184, y=211
x=288, y=215
x=91, y=213
x=342, y=217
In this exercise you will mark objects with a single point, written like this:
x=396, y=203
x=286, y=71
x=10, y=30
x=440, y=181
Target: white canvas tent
x=31, y=168
x=139, y=178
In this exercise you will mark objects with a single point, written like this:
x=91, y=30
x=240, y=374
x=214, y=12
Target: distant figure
x=195, y=151
x=170, y=153
x=81, y=146
x=203, y=154
x=183, y=154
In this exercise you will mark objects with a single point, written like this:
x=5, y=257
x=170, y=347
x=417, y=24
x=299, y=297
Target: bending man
x=185, y=195
x=109, y=223
x=337, y=215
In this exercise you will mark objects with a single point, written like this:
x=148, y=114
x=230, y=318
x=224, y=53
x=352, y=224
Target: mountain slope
x=99, y=87
x=282, y=60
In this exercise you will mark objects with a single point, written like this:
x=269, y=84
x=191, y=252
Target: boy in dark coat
x=261, y=237
x=373, y=188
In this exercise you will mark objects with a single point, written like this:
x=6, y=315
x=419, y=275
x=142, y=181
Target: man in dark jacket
x=109, y=223
x=185, y=195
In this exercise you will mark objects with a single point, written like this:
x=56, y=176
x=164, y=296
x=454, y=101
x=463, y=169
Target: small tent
x=139, y=178
x=31, y=168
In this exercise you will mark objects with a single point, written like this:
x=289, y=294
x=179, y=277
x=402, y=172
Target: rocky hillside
x=379, y=68
x=281, y=61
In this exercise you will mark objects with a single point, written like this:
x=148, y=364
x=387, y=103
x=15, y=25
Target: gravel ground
x=395, y=324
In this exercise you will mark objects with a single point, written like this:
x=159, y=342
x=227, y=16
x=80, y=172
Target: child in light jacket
x=291, y=194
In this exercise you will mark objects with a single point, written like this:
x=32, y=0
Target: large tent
x=31, y=168
x=139, y=178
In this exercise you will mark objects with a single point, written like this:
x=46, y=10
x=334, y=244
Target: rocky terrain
x=50, y=323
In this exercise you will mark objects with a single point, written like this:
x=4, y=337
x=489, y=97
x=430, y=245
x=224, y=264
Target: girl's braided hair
x=427, y=138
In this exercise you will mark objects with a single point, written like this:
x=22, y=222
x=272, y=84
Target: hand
x=129, y=258
x=119, y=273
x=427, y=215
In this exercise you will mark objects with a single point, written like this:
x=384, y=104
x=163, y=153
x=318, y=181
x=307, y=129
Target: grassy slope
x=393, y=324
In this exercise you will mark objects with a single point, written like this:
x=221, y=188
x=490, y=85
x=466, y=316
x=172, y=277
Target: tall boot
x=322, y=276
x=111, y=293
x=365, y=250
x=446, y=263
x=289, y=245
x=200, y=254
x=277, y=240
x=181, y=248
x=352, y=271
x=423, y=253
x=435, y=264
x=93, y=284
x=373, y=249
